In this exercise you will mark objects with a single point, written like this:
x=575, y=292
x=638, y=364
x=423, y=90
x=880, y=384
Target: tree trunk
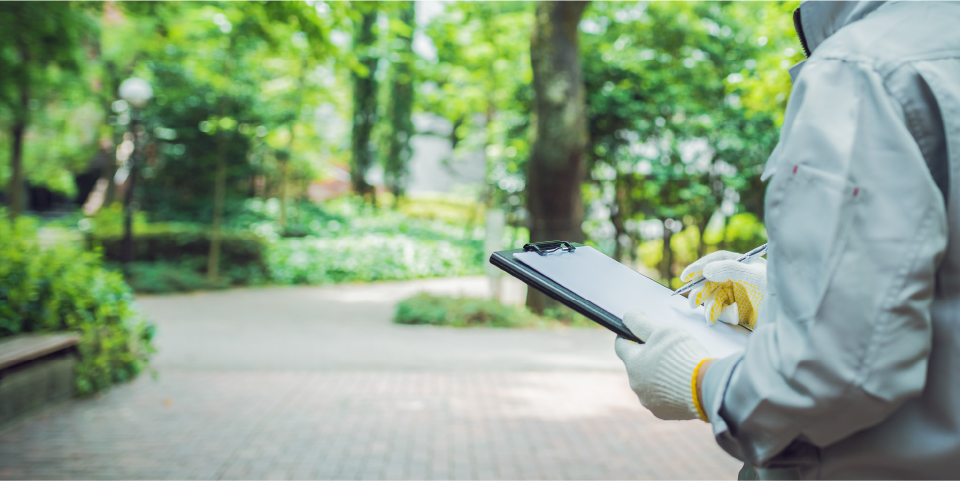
x=219, y=188
x=701, y=244
x=666, y=257
x=556, y=166
x=401, y=110
x=16, y=191
x=618, y=230
x=284, y=163
x=364, y=105
x=16, y=166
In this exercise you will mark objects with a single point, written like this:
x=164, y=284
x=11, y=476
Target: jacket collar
x=819, y=20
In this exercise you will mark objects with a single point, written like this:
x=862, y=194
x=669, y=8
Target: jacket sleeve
x=857, y=228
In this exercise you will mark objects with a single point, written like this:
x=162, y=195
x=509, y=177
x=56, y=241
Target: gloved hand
x=733, y=292
x=663, y=371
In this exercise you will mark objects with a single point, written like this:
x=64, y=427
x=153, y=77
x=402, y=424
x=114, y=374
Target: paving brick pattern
x=363, y=425
x=317, y=383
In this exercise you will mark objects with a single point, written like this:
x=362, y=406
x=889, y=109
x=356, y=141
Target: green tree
x=126, y=38
x=481, y=82
x=670, y=140
x=40, y=53
x=233, y=84
x=300, y=42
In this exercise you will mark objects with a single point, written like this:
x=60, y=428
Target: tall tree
x=38, y=40
x=556, y=166
x=364, y=100
x=400, y=109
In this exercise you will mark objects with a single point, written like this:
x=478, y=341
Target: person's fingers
x=640, y=324
x=707, y=290
x=625, y=348
x=693, y=296
x=730, y=314
x=708, y=311
x=693, y=270
x=723, y=271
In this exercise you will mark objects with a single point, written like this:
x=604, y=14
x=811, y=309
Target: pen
x=759, y=251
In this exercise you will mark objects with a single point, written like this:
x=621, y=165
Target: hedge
x=64, y=288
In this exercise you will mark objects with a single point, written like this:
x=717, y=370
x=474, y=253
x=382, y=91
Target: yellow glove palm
x=733, y=292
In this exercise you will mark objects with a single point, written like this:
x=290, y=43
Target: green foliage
x=162, y=277
x=400, y=105
x=672, y=142
x=744, y=232
x=480, y=82
x=43, y=88
x=343, y=241
x=172, y=242
x=66, y=289
x=766, y=87
x=433, y=310
x=360, y=244
x=371, y=257
x=684, y=103
x=248, y=76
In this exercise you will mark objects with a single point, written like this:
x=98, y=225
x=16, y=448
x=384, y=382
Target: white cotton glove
x=734, y=291
x=663, y=370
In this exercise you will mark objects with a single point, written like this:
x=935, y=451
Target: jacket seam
x=943, y=54
x=884, y=69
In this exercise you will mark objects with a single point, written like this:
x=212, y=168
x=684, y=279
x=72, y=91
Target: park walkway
x=315, y=382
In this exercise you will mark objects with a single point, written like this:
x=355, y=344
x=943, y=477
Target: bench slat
x=27, y=347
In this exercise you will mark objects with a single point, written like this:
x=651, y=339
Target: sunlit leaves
x=659, y=79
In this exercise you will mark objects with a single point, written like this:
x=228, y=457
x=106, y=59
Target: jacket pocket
x=809, y=219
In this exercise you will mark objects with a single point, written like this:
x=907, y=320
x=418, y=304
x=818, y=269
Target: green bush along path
x=63, y=288
x=342, y=241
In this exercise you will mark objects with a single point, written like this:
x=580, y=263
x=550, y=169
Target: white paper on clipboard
x=617, y=289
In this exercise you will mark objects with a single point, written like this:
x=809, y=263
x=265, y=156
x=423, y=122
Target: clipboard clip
x=544, y=248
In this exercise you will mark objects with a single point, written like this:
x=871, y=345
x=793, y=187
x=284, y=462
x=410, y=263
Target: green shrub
x=172, y=257
x=373, y=257
x=64, y=288
x=173, y=241
x=462, y=312
x=162, y=277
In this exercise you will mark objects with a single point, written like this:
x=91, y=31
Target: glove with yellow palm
x=733, y=292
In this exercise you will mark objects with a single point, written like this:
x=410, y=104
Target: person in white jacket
x=853, y=369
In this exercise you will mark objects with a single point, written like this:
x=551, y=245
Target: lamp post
x=136, y=92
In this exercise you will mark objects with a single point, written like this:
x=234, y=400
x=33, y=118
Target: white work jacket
x=854, y=369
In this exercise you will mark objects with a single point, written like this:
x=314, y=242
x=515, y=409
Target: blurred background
x=358, y=149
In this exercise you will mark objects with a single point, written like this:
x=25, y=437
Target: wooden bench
x=36, y=371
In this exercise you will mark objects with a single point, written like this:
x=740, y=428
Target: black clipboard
x=509, y=264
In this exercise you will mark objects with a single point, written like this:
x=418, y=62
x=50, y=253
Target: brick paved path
x=518, y=420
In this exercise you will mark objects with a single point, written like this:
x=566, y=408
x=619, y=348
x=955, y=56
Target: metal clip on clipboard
x=544, y=248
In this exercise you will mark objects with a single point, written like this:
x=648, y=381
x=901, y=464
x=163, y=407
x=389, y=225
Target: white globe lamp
x=136, y=91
